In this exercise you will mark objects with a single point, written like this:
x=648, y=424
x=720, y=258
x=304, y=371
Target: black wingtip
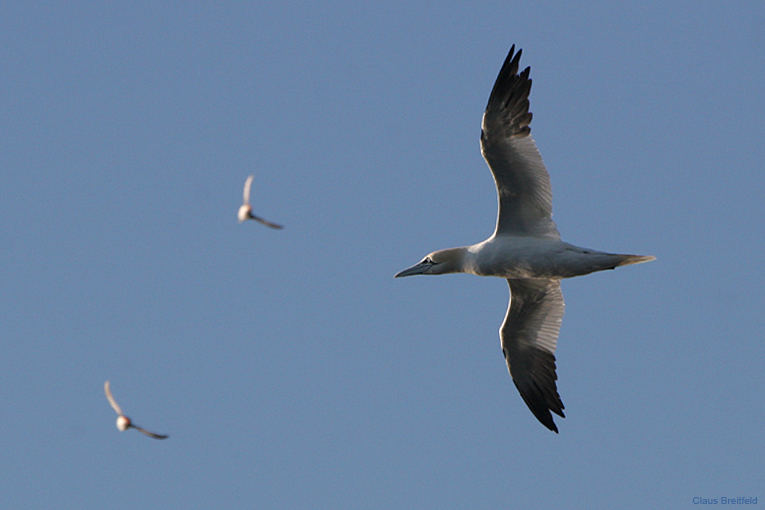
x=541, y=411
x=546, y=419
x=548, y=422
x=512, y=60
x=541, y=394
x=508, y=103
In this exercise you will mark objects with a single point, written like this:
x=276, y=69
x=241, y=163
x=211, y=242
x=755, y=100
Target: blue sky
x=289, y=367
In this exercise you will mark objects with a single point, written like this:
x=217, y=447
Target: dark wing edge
x=529, y=335
x=523, y=184
x=148, y=433
x=509, y=99
x=265, y=222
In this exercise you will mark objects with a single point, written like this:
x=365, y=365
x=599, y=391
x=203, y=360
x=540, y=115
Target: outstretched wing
x=246, y=192
x=529, y=335
x=110, y=398
x=523, y=184
x=150, y=434
x=265, y=222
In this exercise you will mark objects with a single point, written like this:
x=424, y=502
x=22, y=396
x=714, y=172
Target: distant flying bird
x=245, y=211
x=525, y=247
x=123, y=422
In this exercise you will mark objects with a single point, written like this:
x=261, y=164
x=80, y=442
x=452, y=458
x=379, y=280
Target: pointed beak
x=421, y=268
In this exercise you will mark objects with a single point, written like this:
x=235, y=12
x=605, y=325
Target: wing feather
x=150, y=434
x=523, y=184
x=246, y=192
x=529, y=336
x=266, y=222
x=110, y=398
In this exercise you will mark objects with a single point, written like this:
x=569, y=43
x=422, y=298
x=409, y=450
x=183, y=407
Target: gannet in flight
x=245, y=211
x=123, y=422
x=525, y=247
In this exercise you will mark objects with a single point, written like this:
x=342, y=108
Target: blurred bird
x=525, y=248
x=123, y=422
x=245, y=211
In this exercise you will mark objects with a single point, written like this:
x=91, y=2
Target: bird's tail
x=589, y=261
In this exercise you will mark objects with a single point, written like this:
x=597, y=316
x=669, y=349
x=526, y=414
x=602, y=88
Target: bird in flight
x=525, y=248
x=123, y=422
x=245, y=210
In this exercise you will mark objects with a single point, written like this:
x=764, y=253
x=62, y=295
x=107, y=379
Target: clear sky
x=289, y=367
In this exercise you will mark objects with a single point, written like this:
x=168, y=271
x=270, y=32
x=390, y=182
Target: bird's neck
x=459, y=260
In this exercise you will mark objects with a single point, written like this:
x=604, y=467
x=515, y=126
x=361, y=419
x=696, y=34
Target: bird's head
x=438, y=262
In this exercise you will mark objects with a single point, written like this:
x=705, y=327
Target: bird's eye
x=428, y=260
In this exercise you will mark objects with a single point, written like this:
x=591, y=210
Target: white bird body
x=123, y=423
x=525, y=248
x=245, y=212
x=512, y=256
